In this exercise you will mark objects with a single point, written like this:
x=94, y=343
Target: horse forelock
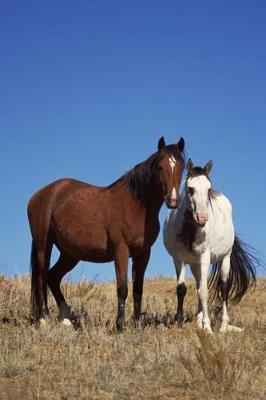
x=197, y=171
x=172, y=152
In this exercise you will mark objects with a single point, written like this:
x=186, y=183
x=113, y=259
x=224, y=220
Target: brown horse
x=101, y=224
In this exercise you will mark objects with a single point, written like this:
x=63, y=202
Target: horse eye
x=191, y=191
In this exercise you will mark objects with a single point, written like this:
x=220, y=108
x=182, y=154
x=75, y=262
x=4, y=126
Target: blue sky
x=88, y=88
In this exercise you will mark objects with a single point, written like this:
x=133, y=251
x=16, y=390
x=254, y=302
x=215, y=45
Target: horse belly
x=137, y=245
x=221, y=244
x=83, y=239
x=220, y=250
x=90, y=248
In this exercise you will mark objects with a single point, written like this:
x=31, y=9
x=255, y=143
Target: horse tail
x=242, y=274
x=33, y=270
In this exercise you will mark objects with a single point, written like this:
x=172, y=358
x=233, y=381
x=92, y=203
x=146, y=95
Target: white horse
x=200, y=232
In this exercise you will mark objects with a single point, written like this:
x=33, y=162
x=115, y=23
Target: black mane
x=140, y=179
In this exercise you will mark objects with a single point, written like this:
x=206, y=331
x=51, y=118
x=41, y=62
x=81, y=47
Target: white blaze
x=200, y=185
x=173, y=194
x=172, y=162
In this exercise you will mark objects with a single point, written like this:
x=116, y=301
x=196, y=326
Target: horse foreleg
x=203, y=290
x=121, y=268
x=196, y=273
x=139, y=266
x=181, y=289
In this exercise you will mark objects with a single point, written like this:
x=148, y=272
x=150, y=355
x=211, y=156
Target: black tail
x=33, y=269
x=242, y=275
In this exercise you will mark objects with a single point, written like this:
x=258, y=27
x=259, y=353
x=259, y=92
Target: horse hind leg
x=224, y=273
x=64, y=264
x=40, y=258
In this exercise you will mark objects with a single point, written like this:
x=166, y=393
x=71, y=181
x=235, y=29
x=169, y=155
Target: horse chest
x=185, y=239
x=190, y=251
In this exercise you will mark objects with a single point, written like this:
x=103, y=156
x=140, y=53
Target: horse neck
x=151, y=200
x=145, y=192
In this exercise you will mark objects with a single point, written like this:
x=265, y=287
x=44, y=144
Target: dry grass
x=159, y=361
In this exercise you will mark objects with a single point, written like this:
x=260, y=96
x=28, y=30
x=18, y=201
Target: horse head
x=168, y=171
x=198, y=189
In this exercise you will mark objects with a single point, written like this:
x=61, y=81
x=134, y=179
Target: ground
x=158, y=361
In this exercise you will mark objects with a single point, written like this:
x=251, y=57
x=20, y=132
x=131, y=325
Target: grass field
x=159, y=361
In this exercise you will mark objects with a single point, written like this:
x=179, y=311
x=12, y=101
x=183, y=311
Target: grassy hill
x=159, y=361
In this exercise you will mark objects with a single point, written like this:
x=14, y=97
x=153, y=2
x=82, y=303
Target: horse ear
x=181, y=145
x=189, y=166
x=208, y=167
x=161, y=144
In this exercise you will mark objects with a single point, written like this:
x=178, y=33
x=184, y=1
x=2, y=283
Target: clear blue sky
x=87, y=88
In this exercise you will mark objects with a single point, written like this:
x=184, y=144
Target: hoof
x=119, y=326
x=42, y=322
x=120, y=322
x=66, y=322
x=179, y=323
x=199, y=320
x=230, y=328
x=137, y=323
x=179, y=319
x=207, y=329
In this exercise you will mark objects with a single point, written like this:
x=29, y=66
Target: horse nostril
x=172, y=199
x=202, y=217
x=173, y=196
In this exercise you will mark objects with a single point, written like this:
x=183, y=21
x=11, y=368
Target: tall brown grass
x=159, y=361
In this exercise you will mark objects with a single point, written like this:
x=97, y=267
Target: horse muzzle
x=201, y=219
x=172, y=200
x=171, y=204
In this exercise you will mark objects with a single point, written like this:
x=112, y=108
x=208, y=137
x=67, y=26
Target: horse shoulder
x=139, y=228
x=222, y=202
